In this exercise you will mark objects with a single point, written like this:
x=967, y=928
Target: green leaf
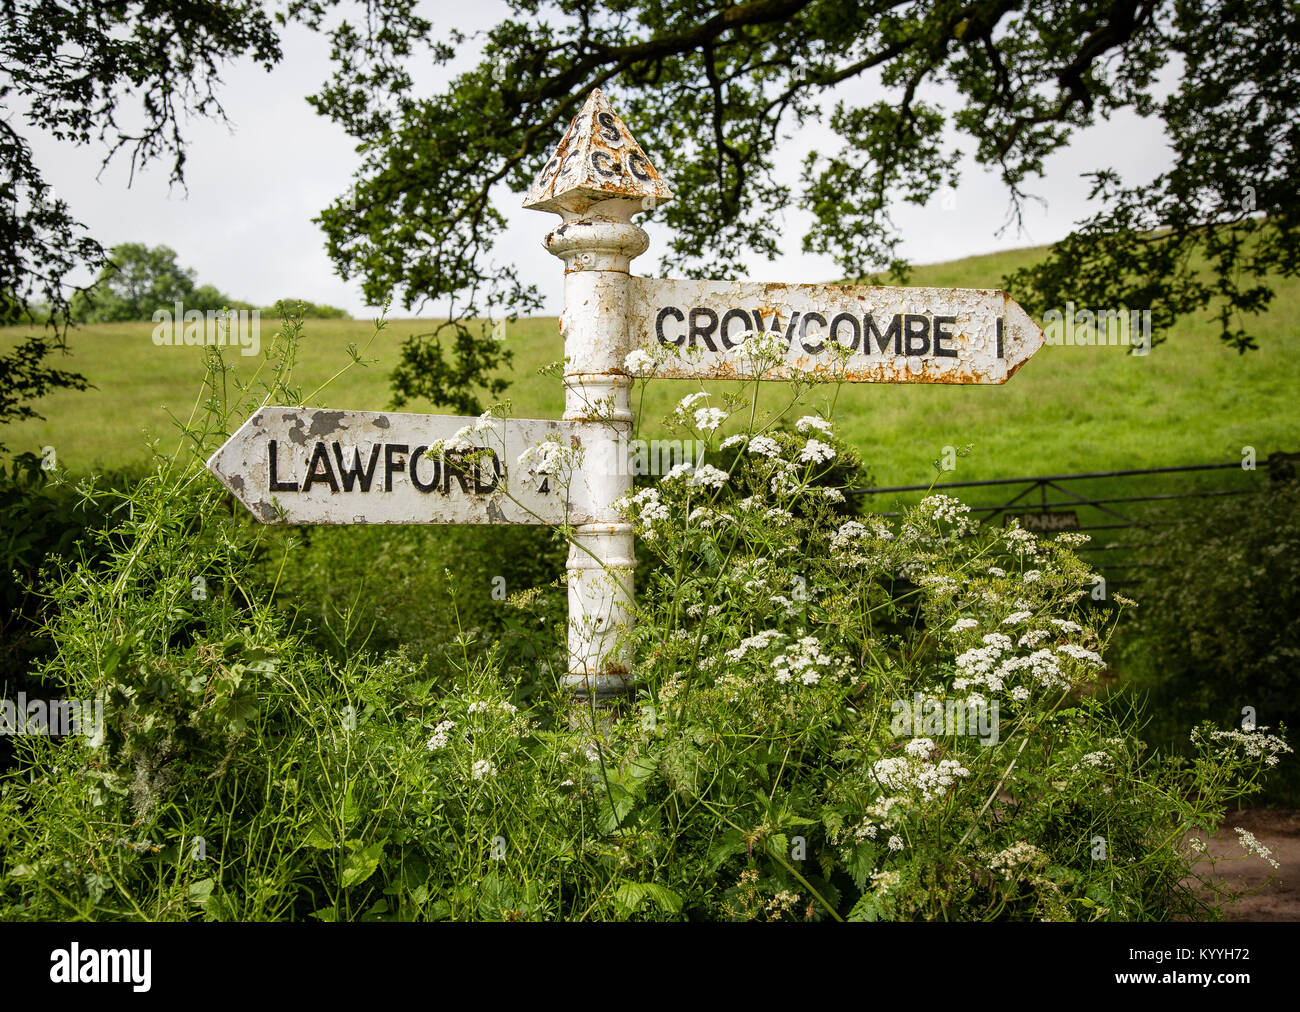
x=319, y=836
x=201, y=891
x=361, y=864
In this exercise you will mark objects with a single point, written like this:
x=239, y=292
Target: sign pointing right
x=853, y=333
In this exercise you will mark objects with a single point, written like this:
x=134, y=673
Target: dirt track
x=1275, y=900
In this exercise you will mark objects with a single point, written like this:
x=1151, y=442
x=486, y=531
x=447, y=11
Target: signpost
x=314, y=466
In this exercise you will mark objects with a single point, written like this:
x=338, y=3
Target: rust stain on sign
x=596, y=161
x=828, y=333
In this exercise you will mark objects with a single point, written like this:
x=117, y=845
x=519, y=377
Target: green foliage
x=712, y=90
x=430, y=589
x=1219, y=624
x=140, y=280
x=758, y=772
x=310, y=310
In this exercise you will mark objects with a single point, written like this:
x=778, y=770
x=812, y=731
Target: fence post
x=597, y=178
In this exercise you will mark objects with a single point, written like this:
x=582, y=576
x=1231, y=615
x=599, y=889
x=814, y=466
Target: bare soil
x=1271, y=894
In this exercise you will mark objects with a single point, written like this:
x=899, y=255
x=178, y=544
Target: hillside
x=1068, y=409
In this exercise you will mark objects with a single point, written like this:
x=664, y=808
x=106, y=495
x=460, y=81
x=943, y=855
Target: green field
x=1068, y=409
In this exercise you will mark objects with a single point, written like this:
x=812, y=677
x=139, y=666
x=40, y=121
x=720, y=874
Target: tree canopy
x=713, y=91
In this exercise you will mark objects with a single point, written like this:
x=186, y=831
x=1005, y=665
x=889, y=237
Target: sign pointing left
x=317, y=466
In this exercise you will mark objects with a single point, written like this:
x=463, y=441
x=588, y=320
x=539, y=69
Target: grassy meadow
x=1068, y=409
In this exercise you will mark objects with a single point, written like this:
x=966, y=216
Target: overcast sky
x=245, y=223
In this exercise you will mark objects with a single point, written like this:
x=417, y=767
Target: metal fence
x=1115, y=507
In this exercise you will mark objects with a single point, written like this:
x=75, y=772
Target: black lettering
x=789, y=331
x=775, y=328
x=664, y=313
x=609, y=129
x=480, y=486
x=350, y=476
x=633, y=160
x=416, y=456
x=894, y=329
x=600, y=156
x=276, y=484
x=391, y=465
x=852, y=321
x=564, y=165
x=941, y=335
x=727, y=317
x=452, y=467
x=320, y=455
x=1000, y=354
x=917, y=326
x=803, y=333
x=704, y=333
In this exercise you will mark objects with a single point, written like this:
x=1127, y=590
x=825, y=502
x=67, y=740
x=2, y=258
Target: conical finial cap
x=597, y=161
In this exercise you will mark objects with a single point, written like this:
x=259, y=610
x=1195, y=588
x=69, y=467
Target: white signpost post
x=316, y=466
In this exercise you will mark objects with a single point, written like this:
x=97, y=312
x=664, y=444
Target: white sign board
x=316, y=466
x=854, y=333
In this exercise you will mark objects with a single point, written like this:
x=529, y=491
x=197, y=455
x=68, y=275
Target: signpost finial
x=597, y=169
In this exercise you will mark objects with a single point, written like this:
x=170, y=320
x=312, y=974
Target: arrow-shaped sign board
x=316, y=466
x=854, y=333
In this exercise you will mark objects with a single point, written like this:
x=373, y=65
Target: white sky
x=245, y=224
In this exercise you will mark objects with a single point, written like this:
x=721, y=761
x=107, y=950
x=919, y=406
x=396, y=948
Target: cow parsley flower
x=1082, y=654
x=816, y=452
x=765, y=446
x=709, y=419
x=708, y=476
x=813, y=422
x=639, y=361
x=483, y=768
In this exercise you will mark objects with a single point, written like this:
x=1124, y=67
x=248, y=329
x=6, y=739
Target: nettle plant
x=836, y=716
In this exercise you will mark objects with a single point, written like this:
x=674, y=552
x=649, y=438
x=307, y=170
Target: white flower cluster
x=808, y=422
x=989, y=667
x=646, y=506
x=1018, y=855
x=1096, y=760
x=464, y=437
x=1082, y=654
x=708, y=476
x=759, y=641
x=1021, y=541
x=801, y=660
x=544, y=459
x=944, y=507
x=439, y=739
x=709, y=419
x=1255, y=744
x=639, y=362
x=914, y=774
x=765, y=446
x=1250, y=843
x=962, y=624
x=816, y=452
x=483, y=768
